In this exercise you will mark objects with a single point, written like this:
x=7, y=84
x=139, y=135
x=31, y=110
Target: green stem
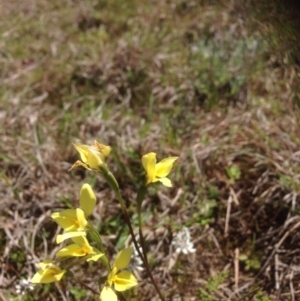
x=140, y=197
x=142, y=256
x=121, y=296
x=96, y=237
x=75, y=262
x=111, y=180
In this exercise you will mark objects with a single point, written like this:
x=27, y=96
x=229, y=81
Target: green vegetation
x=212, y=286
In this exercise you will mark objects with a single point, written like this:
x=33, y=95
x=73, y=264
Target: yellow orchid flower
x=158, y=171
x=92, y=157
x=120, y=280
x=49, y=272
x=80, y=248
x=74, y=220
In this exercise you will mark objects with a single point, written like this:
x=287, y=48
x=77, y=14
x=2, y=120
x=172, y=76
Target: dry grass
x=178, y=78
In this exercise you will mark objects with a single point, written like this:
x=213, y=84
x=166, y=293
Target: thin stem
x=111, y=180
x=121, y=296
x=74, y=262
x=142, y=256
x=140, y=197
x=96, y=236
x=86, y=286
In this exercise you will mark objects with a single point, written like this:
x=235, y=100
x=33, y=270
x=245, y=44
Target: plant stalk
x=140, y=197
x=111, y=180
x=144, y=258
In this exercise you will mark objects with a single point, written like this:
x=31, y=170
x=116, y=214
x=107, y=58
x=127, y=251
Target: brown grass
x=178, y=78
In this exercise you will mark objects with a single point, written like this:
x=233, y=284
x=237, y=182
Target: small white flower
x=136, y=262
x=182, y=242
x=23, y=286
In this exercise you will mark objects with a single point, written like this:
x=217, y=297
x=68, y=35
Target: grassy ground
x=189, y=78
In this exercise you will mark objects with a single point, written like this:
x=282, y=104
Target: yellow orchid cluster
x=93, y=157
x=74, y=222
x=79, y=230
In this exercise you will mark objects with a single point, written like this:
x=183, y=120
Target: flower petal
x=87, y=199
x=42, y=277
x=83, y=150
x=107, y=294
x=82, y=222
x=105, y=149
x=149, y=161
x=37, y=277
x=124, y=281
x=71, y=250
x=43, y=264
x=80, y=240
x=59, y=275
x=95, y=257
x=123, y=258
x=95, y=159
x=66, y=219
x=80, y=248
x=79, y=163
x=61, y=237
x=163, y=168
x=165, y=181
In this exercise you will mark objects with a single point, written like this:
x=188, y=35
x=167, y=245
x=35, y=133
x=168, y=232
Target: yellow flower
x=158, y=171
x=79, y=249
x=120, y=280
x=74, y=220
x=92, y=157
x=49, y=272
